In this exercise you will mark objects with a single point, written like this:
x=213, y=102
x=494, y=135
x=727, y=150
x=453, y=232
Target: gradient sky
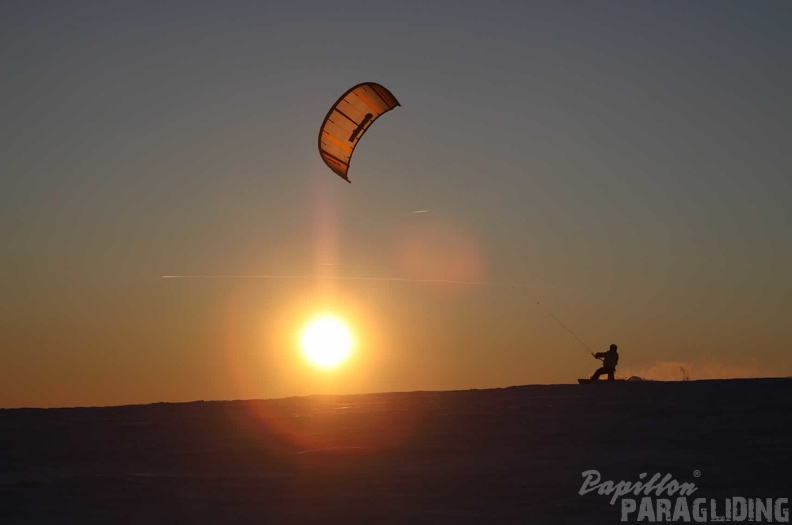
x=623, y=166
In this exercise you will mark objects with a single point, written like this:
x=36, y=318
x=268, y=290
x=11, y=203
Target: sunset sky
x=623, y=168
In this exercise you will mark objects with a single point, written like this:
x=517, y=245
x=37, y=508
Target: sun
x=326, y=341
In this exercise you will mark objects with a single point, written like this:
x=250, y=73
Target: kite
x=348, y=120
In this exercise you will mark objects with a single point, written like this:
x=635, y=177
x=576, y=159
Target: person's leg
x=610, y=374
x=595, y=376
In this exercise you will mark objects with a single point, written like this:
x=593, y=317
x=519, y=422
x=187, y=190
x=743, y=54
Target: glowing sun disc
x=326, y=342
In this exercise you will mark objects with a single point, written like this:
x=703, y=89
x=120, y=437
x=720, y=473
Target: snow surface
x=510, y=455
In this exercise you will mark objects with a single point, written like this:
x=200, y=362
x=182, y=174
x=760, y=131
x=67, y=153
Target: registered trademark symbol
x=696, y=473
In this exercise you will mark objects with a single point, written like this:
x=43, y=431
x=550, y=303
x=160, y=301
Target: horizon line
x=644, y=381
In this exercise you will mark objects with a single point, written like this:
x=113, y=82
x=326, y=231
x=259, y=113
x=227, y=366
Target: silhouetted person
x=609, y=361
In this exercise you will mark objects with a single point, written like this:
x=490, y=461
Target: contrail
x=391, y=279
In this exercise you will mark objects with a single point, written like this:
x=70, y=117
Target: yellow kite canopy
x=348, y=120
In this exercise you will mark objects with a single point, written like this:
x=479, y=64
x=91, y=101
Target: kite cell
x=348, y=120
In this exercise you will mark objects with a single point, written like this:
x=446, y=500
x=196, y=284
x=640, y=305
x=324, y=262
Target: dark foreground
x=511, y=455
